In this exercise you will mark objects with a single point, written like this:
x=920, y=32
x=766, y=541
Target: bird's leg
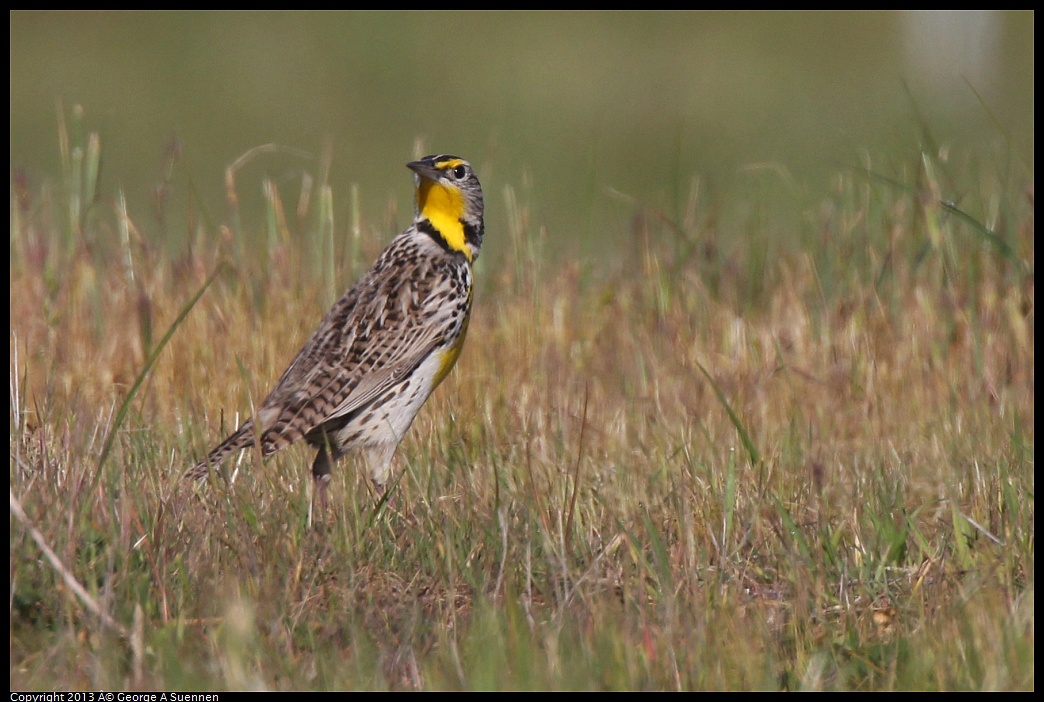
x=322, y=470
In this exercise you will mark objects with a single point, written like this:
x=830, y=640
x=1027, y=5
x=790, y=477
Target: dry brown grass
x=578, y=509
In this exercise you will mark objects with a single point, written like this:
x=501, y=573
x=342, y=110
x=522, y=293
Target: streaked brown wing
x=373, y=337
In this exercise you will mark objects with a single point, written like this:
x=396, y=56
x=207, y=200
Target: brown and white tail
x=243, y=438
x=280, y=427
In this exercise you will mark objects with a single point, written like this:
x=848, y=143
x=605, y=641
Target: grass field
x=710, y=460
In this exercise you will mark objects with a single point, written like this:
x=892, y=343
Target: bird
x=385, y=345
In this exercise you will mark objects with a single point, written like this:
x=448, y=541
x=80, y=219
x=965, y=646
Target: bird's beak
x=425, y=169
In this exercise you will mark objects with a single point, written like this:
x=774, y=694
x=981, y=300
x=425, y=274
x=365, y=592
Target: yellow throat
x=443, y=207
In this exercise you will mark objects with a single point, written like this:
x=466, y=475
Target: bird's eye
x=459, y=172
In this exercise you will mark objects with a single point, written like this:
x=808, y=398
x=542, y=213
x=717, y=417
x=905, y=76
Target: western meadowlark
x=386, y=344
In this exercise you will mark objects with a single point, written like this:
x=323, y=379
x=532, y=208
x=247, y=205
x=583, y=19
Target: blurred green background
x=587, y=115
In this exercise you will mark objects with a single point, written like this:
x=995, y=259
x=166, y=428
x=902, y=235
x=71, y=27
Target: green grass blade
x=748, y=443
x=988, y=236
x=149, y=363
